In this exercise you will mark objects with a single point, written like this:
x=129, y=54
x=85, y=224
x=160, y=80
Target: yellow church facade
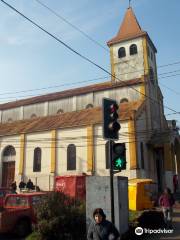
x=60, y=134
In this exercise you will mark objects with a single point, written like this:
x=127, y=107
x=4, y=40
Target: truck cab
x=18, y=213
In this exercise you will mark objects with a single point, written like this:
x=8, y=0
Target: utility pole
x=111, y=129
x=111, y=181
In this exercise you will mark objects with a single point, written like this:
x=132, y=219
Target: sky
x=33, y=63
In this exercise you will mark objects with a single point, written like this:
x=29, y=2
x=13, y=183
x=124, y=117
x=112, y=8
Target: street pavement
x=175, y=235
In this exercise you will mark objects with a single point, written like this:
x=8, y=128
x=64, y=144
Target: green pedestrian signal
x=119, y=162
x=119, y=156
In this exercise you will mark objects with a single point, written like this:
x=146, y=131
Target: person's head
x=167, y=191
x=99, y=215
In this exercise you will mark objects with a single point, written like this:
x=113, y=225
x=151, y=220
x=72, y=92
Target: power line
x=165, y=86
x=128, y=134
x=168, y=72
x=124, y=112
x=72, y=25
x=66, y=84
x=55, y=86
x=76, y=83
x=169, y=64
x=90, y=38
x=77, y=53
x=86, y=35
x=18, y=145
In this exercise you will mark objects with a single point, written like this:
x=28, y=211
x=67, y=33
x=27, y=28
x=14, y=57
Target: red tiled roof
x=129, y=28
x=69, y=93
x=65, y=120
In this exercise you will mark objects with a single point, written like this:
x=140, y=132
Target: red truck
x=3, y=192
x=18, y=215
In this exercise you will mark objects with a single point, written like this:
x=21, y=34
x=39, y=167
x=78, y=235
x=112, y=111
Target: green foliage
x=61, y=217
x=34, y=236
x=133, y=216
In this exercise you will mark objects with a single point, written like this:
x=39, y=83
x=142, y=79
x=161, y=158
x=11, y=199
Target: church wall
x=142, y=137
x=98, y=96
x=78, y=137
x=130, y=66
x=66, y=105
x=38, y=109
x=13, y=114
x=118, y=94
x=83, y=100
x=70, y=104
x=43, y=141
x=153, y=91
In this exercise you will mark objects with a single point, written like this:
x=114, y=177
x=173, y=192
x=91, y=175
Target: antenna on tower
x=129, y=3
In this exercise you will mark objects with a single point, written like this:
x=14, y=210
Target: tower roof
x=129, y=28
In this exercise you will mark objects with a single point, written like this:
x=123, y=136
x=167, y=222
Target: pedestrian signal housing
x=119, y=156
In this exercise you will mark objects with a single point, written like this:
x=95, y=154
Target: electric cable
x=76, y=52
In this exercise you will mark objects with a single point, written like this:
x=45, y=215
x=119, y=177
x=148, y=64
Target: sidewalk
x=175, y=235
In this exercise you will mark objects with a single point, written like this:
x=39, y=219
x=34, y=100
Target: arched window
x=151, y=75
x=121, y=52
x=133, y=49
x=33, y=115
x=71, y=157
x=60, y=111
x=124, y=100
x=9, y=153
x=107, y=155
x=37, y=160
x=89, y=106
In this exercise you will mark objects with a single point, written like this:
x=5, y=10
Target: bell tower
x=132, y=53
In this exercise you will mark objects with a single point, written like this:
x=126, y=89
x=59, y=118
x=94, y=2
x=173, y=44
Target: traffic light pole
x=111, y=181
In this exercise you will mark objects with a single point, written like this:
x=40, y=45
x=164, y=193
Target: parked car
x=3, y=192
x=18, y=213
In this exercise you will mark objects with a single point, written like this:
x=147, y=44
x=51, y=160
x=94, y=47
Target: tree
x=60, y=217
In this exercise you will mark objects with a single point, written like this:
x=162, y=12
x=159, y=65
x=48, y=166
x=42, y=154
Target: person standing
x=166, y=201
x=30, y=185
x=13, y=187
x=22, y=185
x=100, y=228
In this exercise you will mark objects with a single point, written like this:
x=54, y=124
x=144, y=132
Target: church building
x=60, y=134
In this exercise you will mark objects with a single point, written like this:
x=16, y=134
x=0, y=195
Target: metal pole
x=111, y=181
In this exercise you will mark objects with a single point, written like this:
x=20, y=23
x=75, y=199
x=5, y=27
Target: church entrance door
x=8, y=172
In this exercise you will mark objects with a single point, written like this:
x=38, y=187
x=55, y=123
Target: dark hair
x=168, y=190
x=100, y=212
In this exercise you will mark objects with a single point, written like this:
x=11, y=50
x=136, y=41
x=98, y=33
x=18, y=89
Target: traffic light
x=118, y=156
x=111, y=126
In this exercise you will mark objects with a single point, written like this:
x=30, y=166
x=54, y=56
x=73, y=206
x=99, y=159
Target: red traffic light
x=114, y=107
x=111, y=125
